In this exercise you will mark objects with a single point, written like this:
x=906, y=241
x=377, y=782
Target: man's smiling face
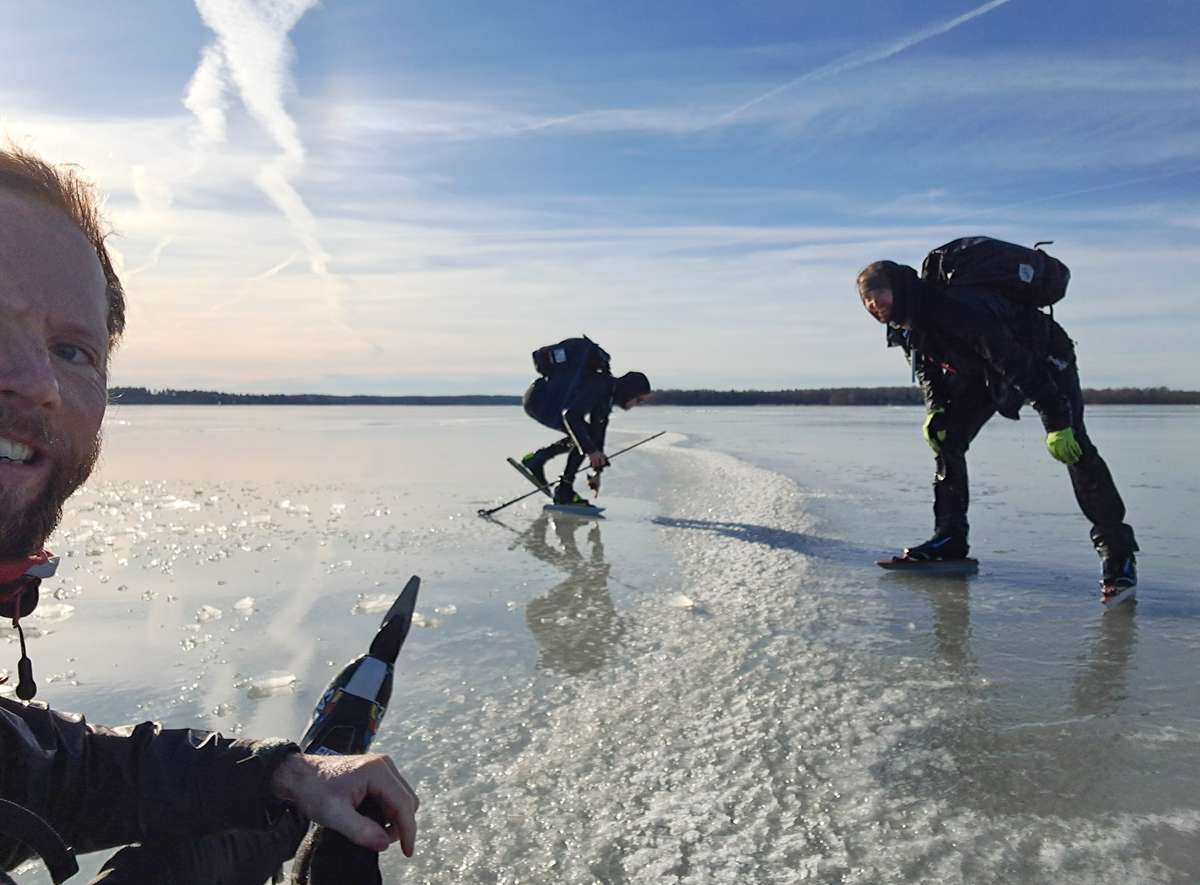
x=53, y=367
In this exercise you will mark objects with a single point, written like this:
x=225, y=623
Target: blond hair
x=65, y=189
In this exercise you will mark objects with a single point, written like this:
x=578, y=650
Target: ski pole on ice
x=485, y=513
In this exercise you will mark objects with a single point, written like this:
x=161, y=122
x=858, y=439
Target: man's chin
x=30, y=511
x=24, y=531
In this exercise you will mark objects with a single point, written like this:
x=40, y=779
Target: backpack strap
x=19, y=823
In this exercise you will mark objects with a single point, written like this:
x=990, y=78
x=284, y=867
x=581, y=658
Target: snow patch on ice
x=53, y=612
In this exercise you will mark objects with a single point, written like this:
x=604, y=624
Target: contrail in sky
x=206, y=95
x=859, y=59
x=252, y=50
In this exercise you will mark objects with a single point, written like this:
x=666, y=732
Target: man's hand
x=1063, y=446
x=934, y=429
x=329, y=789
x=598, y=460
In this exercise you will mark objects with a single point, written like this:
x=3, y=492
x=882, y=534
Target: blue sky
x=407, y=198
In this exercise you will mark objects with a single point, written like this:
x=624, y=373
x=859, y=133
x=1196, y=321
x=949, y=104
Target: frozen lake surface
x=713, y=685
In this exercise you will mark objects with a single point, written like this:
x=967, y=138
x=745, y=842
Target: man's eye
x=75, y=355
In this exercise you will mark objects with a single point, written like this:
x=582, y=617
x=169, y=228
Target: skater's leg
x=565, y=492
x=965, y=417
x=1096, y=492
x=535, y=462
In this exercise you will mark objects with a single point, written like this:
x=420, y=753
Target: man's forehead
x=46, y=259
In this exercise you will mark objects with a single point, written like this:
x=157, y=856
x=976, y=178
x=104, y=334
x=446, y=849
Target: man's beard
x=24, y=530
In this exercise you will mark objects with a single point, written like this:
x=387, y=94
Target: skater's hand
x=329, y=789
x=598, y=460
x=1063, y=446
x=934, y=429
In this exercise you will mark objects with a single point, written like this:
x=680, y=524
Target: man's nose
x=27, y=374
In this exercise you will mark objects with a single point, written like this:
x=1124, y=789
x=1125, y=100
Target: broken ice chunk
x=271, y=683
x=372, y=604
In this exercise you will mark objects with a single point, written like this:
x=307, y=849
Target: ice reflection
x=575, y=623
x=949, y=601
x=1020, y=740
x=1101, y=684
x=1101, y=671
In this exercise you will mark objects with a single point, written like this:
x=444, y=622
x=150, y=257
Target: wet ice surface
x=1008, y=729
x=713, y=685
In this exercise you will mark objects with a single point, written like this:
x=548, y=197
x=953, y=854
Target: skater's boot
x=948, y=545
x=1118, y=566
x=565, y=494
x=1118, y=572
x=536, y=466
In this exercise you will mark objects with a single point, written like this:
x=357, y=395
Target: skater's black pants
x=535, y=405
x=574, y=457
x=969, y=409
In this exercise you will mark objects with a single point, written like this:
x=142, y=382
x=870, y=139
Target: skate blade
x=1112, y=600
x=963, y=566
x=524, y=471
x=575, y=510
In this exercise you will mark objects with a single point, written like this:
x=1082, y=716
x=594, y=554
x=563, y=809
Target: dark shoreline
x=826, y=396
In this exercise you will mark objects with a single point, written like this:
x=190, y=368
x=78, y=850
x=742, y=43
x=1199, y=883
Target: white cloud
x=449, y=288
x=252, y=46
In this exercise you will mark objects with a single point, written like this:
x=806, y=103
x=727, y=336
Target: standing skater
x=970, y=327
x=575, y=394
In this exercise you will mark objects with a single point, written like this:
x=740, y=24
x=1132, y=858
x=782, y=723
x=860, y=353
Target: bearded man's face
x=53, y=368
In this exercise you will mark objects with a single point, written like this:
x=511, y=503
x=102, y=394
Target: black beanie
x=628, y=386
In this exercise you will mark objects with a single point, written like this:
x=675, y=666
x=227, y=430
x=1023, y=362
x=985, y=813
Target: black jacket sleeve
x=932, y=379
x=104, y=787
x=599, y=425
x=926, y=371
x=592, y=399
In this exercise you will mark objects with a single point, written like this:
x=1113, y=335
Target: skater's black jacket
x=963, y=336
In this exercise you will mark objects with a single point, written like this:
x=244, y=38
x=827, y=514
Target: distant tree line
x=819, y=396
x=142, y=396
x=1155, y=396
x=897, y=396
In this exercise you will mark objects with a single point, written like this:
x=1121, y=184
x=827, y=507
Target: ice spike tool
x=345, y=722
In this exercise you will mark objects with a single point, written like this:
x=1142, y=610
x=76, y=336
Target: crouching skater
x=575, y=394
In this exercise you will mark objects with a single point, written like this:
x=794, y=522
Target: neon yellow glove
x=1063, y=446
x=934, y=429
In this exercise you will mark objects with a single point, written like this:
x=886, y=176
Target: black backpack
x=573, y=354
x=1027, y=276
